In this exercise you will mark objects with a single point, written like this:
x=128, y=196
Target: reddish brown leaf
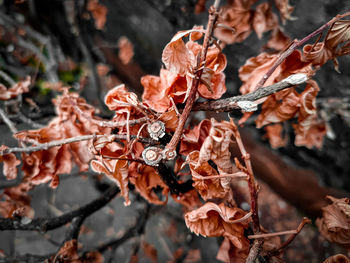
x=278, y=40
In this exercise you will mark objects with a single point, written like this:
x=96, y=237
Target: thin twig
x=213, y=15
x=45, y=146
x=290, y=239
x=294, y=46
x=229, y=104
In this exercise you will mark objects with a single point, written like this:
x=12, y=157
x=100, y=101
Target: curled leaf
x=339, y=258
x=10, y=162
x=264, y=19
x=335, y=222
x=126, y=50
x=274, y=134
x=17, y=89
x=214, y=220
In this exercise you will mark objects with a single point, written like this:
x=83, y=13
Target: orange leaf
x=285, y=9
x=17, y=89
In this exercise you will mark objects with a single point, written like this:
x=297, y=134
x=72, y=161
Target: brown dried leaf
x=10, y=162
x=214, y=220
x=338, y=34
x=309, y=130
x=154, y=94
x=99, y=13
x=274, y=134
x=150, y=251
x=278, y=40
x=237, y=16
x=264, y=19
x=170, y=119
x=285, y=9
x=126, y=50
x=339, y=258
x=335, y=222
x=176, y=57
x=207, y=188
x=317, y=54
x=146, y=181
x=17, y=89
x=193, y=139
x=279, y=107
x=229, y=253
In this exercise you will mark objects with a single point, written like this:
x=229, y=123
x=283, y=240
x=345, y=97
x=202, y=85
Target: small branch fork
x=171, y=146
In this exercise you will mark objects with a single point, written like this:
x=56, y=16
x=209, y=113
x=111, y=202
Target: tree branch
x=234, y=102
x=46, y=224
x=45, y=146
x=213, y=15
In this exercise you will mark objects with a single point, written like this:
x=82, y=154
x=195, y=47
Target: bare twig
x=213, y=15
x=45, y=146
x=234, y=102
x=296, y=44
x=290, y=239
x=46, y=224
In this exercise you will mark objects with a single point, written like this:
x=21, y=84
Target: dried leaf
x=317, y=54
x=98, y=12
x=214, y=220
x=147, y=182
x=193, y=139
x=339, y=258
x=237, y=16
x=10, y=162
x=126, y=50
x=229, y=253
x=335, y=222
x=176, y=57
x=274, y=134
x=207, y=188
x=17, y=89
x=278, y=40
x=338, y=34
x=150, y=251
x=285, y=9
x=279, y=107
x=309, y=130
x=170, y=119
x=264, y=19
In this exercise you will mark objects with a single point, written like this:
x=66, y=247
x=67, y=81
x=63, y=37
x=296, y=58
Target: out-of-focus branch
x=46, y=224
